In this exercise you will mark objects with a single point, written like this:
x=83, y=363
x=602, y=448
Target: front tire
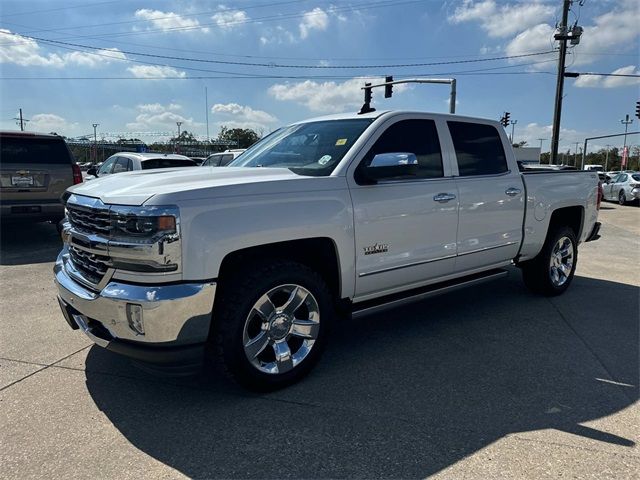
x=550, y=273
x=271, y=324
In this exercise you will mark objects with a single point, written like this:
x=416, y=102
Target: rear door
x=34, y=168
x=491, y=197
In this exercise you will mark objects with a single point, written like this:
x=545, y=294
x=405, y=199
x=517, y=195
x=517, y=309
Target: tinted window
x=226, y=160
x=622, y=178
x=636, y=177
x=34, y=150
x=167, y=163
x=122, y=164
x=419, y=137
x=213, y=161
x=478, y=149
x=107, y=166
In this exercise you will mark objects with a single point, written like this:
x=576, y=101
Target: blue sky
x=65, y=87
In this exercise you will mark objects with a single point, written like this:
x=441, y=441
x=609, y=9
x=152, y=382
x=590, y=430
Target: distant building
x=527, y=154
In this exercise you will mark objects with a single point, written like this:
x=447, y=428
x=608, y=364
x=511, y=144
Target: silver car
x=623, y=188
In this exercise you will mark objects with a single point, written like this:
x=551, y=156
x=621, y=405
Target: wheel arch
x=572, y=217
x=318, y=253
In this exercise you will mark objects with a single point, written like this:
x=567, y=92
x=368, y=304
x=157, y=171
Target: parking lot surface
x=492, y=382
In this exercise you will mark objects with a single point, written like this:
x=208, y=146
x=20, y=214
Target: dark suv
x=35, y=170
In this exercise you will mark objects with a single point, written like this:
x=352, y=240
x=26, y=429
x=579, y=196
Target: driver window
x=419, y=137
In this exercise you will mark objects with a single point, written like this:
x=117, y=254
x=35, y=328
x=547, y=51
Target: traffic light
x=638, y=109
x=388, y=88
x=505, y=119
x=368, y=95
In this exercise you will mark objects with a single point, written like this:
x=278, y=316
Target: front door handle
x=512, y=192
x=444, y=197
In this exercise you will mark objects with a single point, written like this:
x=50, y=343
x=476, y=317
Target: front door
x=405, y=228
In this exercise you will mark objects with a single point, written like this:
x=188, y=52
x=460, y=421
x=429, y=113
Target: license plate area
x=22, y=181
x=26, y=209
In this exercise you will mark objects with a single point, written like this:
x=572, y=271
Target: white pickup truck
x=251, y=264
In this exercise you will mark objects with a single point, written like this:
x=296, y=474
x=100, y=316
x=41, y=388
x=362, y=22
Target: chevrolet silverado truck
x=252, y=264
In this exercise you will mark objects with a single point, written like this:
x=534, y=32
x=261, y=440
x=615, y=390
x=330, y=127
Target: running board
x=398, y=299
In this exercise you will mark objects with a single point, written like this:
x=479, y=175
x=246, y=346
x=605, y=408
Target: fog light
x=134, y=316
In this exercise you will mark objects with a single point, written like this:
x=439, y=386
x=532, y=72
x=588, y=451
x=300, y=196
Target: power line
x=277, y=65
x=59, y=8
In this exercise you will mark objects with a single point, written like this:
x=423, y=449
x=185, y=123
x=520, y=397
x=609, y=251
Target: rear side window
x=34, y=150
x=167, y=163
x=213, y=161
x=419, y=137
x=123, y=164
x=478, y=148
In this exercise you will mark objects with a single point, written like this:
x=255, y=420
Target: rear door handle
x=512, y=192
x=444, y=197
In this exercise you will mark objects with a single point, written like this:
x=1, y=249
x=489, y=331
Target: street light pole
x=178, y=138
x=513, y=126
x=606, y=160
x=95, y=142
x=557, y=112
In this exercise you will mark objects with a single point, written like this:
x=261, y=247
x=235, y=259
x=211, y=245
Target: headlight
x=143, y=223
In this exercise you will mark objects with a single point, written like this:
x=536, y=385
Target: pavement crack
x=44, y=367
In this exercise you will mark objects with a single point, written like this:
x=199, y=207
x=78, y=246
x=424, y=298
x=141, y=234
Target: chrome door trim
x=398, y=267
x=423, y=262
x=484, y=249
x=444, y=197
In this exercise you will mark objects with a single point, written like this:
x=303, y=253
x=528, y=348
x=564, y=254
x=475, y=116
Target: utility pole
x=575, y=155
x=625, y=153
x=540, y=156
x=20, y=120
x=513, y=126
x=557, y=112
x=606, y=160
x=206, y=109
x=95, y=142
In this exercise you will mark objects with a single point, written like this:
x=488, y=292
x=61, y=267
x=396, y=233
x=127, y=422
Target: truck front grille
x=94, y=221
x=92, y=266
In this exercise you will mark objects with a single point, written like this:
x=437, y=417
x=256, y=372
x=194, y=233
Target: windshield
x=313, y=148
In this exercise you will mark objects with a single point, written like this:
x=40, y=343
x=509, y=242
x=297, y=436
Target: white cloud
x=278, y=36
x=26, y=52
x=243, y=113
x=611, y=82
x=158, y=117
x=504, y=20
x=325, y=97
x=49, y=122
x=316, y=19
x=155, y=71
x=228, y=19
x=534, y=39
x=168, y=21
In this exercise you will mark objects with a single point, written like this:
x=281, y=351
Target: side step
x=398, y=299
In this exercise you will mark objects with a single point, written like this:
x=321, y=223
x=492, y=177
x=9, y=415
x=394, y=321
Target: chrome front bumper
x=174, y=315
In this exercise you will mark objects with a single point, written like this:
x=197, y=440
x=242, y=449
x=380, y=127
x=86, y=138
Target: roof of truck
x=379, y=113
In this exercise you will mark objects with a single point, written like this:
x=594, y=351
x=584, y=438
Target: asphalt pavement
x=491, y=382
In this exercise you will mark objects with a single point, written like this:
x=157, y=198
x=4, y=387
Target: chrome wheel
x=281, y=328
x=561, y=262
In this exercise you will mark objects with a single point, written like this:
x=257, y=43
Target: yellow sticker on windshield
x=341, y=141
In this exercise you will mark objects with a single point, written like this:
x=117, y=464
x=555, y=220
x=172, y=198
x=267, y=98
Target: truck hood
x=136, y=188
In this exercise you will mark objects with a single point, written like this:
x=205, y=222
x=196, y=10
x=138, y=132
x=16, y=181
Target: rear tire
x=622, y=198
x=550, y=273
x=256, y=339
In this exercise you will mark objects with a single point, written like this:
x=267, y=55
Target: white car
x=222, y=159
x=129, y=161
x=623, y=188
x=340, y=215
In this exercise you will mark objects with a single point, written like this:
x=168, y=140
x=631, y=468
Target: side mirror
x=391, y=165
x=92, y=171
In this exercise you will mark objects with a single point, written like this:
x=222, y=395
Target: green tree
x=185, y=137
x=520, y=144
x=243, y=137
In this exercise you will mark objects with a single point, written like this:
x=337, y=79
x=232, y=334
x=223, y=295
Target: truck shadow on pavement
x=25, y=243
x=403, y=394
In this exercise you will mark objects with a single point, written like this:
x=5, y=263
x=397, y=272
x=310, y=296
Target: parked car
x=348, y=214
x=198, y=160
x=623, y=188
x=222, y=159
x=129, y=161
x=35, y=170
